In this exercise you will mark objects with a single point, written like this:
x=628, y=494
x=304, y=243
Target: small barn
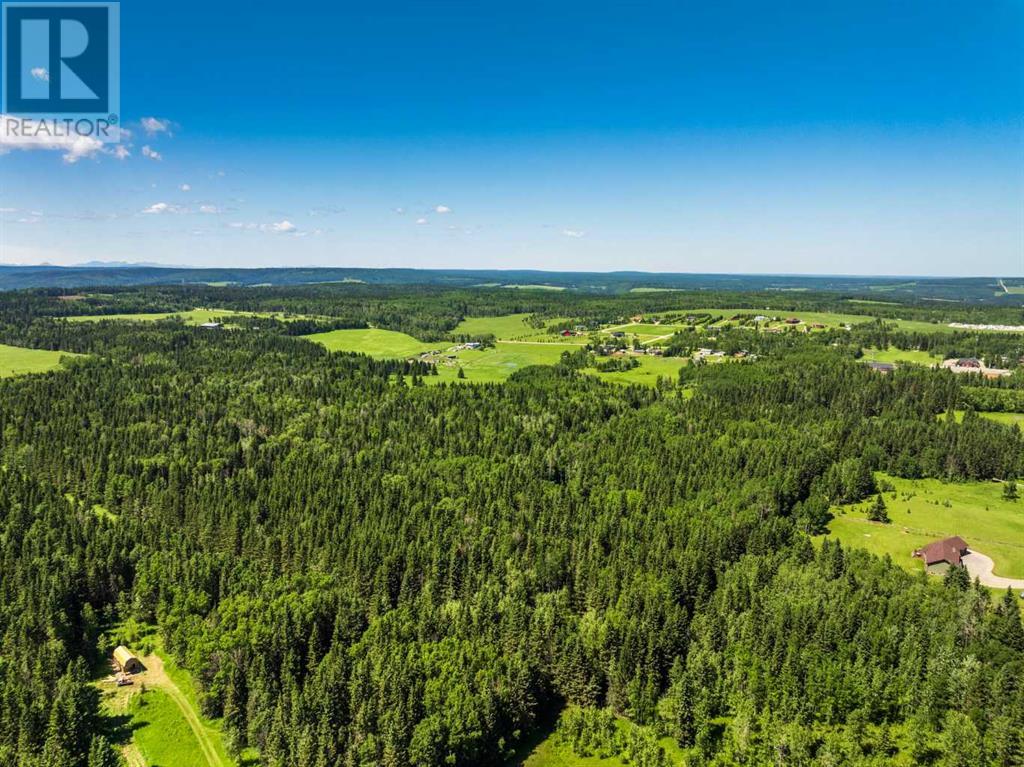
x=939, y=556
x=126, y=660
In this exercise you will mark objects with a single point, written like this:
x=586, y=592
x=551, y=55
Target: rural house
x=126, y=661
x=939, y=556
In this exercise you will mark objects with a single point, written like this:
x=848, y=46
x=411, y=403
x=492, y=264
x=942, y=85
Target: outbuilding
x=126, y=660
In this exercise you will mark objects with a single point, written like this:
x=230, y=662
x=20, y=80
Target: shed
x=126, y=660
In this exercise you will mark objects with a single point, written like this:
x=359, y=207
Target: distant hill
x=118, y=274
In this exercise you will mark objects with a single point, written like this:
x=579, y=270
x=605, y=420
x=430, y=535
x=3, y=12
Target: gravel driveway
x=980, y=567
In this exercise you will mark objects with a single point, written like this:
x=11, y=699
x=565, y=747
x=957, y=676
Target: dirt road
x=156, y=677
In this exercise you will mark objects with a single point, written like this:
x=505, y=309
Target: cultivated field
x=926, y=510
x=14, y=360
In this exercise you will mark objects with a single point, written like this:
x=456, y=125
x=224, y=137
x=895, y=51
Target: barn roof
x=122, y=655
x=947, y=550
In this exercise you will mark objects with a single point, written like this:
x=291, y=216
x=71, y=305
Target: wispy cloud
x=151, y=153
x=278, y=227
x=40, y=73
x=575, y=233
x=26, y=134
x=164, y=207
x=421, y=221
x=442, y=209
x=155, y=125
x=209, y=209
x=185, y=187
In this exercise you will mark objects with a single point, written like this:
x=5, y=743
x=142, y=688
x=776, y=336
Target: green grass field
x=894, y=356
x=162, y=734
x=534, y=287
x=650, y=370
x=545, y=750
x=192, y=317
x=14, y=360
x=511, y=327
x=926, y=510
x=1004, y=418
x=497, y=364
x=376, y=343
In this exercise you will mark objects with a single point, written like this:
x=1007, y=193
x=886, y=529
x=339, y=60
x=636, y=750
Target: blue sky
x=815, y=137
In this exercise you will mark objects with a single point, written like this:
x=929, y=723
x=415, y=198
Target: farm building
x=939, y=556
x=126, y=660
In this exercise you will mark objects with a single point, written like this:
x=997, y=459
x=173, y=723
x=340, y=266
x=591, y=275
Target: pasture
x=511, y=327
x=896, y=356
x=925, y=510
x=497, y=364
x=378, y=343
x=192, y=317
x=15, y=360
x=650, y=370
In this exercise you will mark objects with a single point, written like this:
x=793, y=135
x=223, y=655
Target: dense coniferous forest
x=361, y=570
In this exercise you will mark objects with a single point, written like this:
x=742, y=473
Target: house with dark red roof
x=941, y=555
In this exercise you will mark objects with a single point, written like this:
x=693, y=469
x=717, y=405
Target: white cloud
x=27, y=134
x=576, y=233
x=121, y=152
x=151, y=153
x=185, y=187
x=399, y=211
x=40, y=73
x=283, y=227
x=164, y=207
x=154, y=125
x=442, y=209
x=209, y=209
x=421, y=221
x=8, y=210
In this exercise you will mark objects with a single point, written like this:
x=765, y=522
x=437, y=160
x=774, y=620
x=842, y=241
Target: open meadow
x=191, y=317
x=925, y=510
x=15, y=360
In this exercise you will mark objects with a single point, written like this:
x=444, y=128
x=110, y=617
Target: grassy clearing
x=160, y=732
x=650, y=370
x=510, y=327
x=545, y=750
x=895, y=356
x=193, y=317
x=534, y=287
x=1004, y=418
x=926, y=509
x=497, y=364
x=374, y=342
x=156, y=720
x=14, y=360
